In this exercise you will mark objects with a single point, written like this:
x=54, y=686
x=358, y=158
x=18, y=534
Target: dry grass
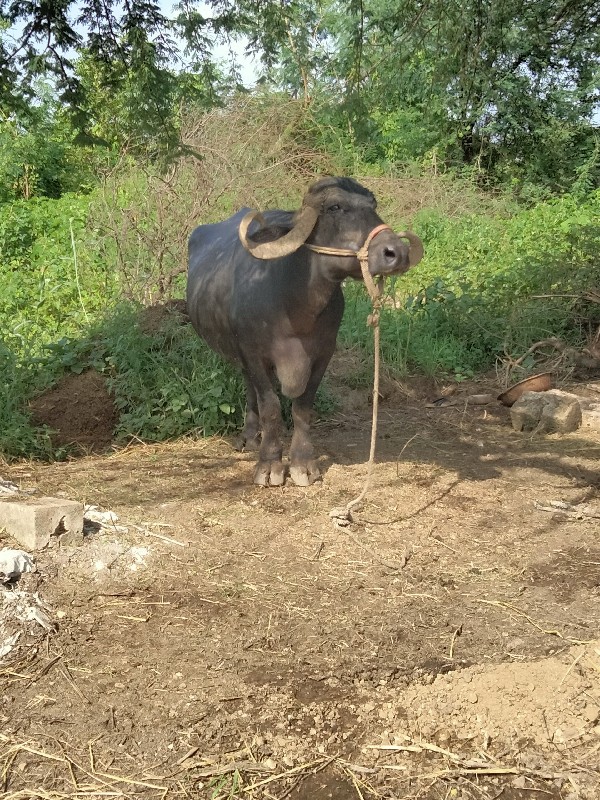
x=52, y=770
x=248, y=154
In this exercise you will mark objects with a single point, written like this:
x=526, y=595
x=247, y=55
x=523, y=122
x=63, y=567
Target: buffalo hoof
x=269, y=473
x=304, y=474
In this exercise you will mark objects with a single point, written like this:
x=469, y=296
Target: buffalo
x=265, y=293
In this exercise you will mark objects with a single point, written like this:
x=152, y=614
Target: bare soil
x=234, y=642
x=79, y=411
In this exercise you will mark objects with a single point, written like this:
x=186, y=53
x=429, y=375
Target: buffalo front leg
x=249, y=438
x=269, y=470
x=303, y=466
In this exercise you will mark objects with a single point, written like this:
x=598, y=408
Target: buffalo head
x=336, y=213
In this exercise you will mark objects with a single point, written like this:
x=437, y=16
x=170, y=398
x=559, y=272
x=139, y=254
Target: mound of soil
x=79, y=410
x=153, y=318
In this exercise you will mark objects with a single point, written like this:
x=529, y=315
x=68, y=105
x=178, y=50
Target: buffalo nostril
x=389, y=254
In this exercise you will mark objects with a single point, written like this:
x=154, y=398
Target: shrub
x=488, y=285
x=166, y=382
x=52, y=279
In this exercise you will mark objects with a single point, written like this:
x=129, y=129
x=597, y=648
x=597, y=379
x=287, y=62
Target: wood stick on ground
x=547, y=631
x=312, y=767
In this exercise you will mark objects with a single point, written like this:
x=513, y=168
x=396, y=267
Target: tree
x=115, y=68
x=497, y=79
x=501, y=87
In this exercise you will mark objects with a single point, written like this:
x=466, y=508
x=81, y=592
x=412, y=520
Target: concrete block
x=33, y=521
x=547, y=412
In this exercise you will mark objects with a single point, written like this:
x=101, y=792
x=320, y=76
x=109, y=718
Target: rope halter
x=362, y=254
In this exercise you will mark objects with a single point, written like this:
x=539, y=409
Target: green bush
x=166, y=382
x=487, y=286
x=52, y=280
x=549, y=249
x=427, y=340
x=18, y=382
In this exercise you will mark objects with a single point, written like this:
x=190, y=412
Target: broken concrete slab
x=554, y=411
x=33, y=521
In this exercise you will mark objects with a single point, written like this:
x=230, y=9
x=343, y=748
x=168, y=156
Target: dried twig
x=549, y=632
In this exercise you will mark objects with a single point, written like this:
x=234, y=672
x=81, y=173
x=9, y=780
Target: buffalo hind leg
x=303, y=465
x=249, y=438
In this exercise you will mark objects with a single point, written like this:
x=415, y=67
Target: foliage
x=434, y=340
x=138, y=110
x=489, y=286
x=39, y=156
x=52, y=279
x=136, y=35
x=551, y=248
x=501, y=89
x=166, y=382
x=120, y=71
x=18, y=381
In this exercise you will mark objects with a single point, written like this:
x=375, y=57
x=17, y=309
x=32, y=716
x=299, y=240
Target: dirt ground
x=233, y=642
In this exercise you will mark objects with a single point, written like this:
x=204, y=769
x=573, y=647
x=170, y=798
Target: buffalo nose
x=390, y=256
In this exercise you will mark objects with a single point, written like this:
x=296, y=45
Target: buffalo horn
x=305, y=222
x=415, y=253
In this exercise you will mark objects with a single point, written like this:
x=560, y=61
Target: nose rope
x=342, y=517
x=346, y=251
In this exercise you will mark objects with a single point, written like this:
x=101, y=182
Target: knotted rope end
x=341, y=517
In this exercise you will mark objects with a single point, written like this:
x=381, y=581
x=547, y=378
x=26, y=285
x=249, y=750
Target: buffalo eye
x=334, y=208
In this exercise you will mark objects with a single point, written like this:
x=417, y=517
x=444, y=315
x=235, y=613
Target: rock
x=591, y=713
x=526, y=412
x=546, y=412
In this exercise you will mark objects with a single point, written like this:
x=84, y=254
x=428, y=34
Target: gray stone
x=33, y=521
x=526, y=412
x=561, y=412
x=546, y=412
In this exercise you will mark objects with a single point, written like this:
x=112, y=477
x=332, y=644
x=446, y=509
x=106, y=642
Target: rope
x=342, y=517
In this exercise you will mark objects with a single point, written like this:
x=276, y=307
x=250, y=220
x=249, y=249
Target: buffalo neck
x=323, y=278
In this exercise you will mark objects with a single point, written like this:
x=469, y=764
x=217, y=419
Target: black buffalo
x=269, y=303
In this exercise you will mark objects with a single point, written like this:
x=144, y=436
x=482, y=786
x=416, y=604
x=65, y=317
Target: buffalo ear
x=415, y=253
x=289, y=243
